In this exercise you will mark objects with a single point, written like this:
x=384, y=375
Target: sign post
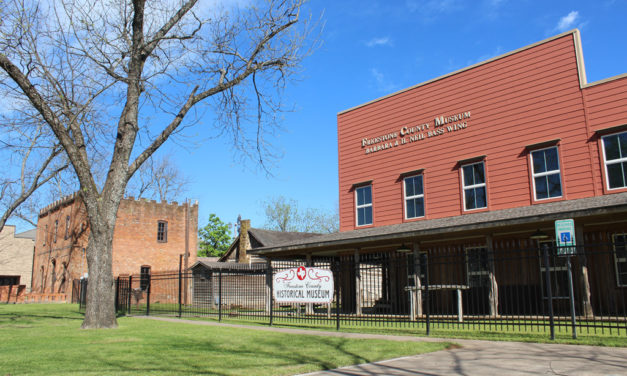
x=565, y=237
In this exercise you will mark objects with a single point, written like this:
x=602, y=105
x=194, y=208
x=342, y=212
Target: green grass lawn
x=46, y=339
x=536, y=331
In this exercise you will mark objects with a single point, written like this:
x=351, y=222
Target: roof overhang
x=586, y=210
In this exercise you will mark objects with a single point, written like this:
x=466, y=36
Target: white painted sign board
x=303, y=285
x=565, y=236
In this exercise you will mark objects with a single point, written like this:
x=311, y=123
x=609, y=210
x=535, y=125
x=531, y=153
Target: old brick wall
x=61, y=258
x=135, y=240
x=63, y=248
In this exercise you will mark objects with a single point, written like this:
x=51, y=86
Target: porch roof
x=580, y=208
x=209, y=263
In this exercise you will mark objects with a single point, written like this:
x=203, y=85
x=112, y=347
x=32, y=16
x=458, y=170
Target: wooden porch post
x=268, y=302
x=358, y=297
x=582, y=272
x=417, y=293
x=494, y=288
x=309, y=307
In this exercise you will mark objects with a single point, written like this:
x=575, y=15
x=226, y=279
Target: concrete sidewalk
x=500, y=358
x=473, y=358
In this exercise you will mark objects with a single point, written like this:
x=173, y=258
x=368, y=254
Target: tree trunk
x=100, y=309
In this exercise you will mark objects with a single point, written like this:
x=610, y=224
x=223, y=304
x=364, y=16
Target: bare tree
x=283, y=214
x=115, y=79
x=158, y=179
x=33, y=159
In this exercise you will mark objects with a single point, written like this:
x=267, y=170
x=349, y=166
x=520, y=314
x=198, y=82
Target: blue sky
x=370, y=49
x=373, y=48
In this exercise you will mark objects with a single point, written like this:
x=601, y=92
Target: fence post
x=220, y=294
x=337, y=295
x=270, y=279
x=180, y=290
x=425, y=261
x=549, y=290
x=573, y=320
x=148, y=295
x=130, y=293
x=117, y=294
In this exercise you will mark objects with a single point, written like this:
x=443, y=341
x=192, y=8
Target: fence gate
x=122, y=295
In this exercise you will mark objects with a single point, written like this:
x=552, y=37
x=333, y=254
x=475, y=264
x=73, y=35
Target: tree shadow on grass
x=262, y=354
x=17, y=315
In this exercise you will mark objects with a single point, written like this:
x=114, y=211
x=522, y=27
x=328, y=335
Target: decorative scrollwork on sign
x=290, y=276
x=314, y=275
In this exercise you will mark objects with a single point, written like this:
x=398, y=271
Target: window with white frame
x=547, y=180
x=477, y=267
x=363, y=198
x=473, y=177
x=414, y=197
x=615, y=152
x=620, y=258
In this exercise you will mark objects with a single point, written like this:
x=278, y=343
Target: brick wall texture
x=63, y=232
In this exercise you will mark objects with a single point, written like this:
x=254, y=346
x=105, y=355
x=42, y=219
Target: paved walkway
x=473, y=358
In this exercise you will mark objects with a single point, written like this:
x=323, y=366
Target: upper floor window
x=162, y=231
x=547, y=181
x=56, y=229
x=414, y=197
x=615, y=151
x=363, y=197
x=473, y=176
x=67, y=227
x=620, y=258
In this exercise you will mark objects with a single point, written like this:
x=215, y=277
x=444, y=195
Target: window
x=162, y=231
x=620, y=258
x=547, y=181
x=144, y=277
x=67, y=227
x=8, y=280
x=414, y=197
x=473, y=176
x=558, y=271
x=56, y=229
x=364, y=205
x=42, y=278
x=54, y=274
x=45, y=234
x=615, y=151
x=477, y=267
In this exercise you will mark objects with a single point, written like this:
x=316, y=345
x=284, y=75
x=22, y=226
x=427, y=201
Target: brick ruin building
x=149, y=236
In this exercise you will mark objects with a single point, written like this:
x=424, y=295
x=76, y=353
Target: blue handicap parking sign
x=565, y=237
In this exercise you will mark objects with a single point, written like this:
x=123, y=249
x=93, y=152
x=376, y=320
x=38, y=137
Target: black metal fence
x=447, y=289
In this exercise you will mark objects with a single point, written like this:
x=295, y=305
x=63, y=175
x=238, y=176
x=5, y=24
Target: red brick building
x=471, y=164
x=149, y=236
